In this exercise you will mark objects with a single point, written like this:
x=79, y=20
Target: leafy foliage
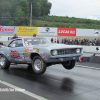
x=17, y=12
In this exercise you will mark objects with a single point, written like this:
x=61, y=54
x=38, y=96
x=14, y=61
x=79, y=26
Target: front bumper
x=60, y=59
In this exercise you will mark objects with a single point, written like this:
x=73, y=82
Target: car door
x=16, y=50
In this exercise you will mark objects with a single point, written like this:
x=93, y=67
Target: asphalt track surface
x=57, y=83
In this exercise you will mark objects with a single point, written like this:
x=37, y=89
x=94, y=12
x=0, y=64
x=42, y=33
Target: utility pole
x=31, y=16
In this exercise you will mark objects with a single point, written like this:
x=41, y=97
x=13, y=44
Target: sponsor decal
x=47, y=31
x=30, y=49
x=28, y=53
x=9, y=58
x=28, y=61
x=40, y=52
x=26, y=50
x=44, y=56
x=26, y=57
x=19, y=59
x=97, y=33
x=37, y=50
x=16, y=59
x=23, y=59
x=26, y=30
x=66, y=32
x=6, y=30
x=14, y=54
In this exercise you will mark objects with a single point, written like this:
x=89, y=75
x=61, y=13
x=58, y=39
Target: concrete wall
x=91, y=49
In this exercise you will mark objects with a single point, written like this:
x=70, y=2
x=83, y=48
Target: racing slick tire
x=29, y=66
x=4, y=63
x=38, y=65
x=69, y=64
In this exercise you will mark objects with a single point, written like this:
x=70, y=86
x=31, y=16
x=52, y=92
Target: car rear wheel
x=38, y=65
x=4, y=63
x=69, y=64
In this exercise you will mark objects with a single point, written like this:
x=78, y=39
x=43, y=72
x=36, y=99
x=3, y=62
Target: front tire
x=29, y=67
x=4, y=63
x=38, y=65
x=69, y=64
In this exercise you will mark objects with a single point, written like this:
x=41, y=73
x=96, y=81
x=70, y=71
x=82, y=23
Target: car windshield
x=35, y=41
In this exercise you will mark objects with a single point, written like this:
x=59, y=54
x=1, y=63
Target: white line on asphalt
x=88, y=67
x=25, y=92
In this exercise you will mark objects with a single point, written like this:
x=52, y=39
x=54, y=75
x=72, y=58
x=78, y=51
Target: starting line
x=25, y=92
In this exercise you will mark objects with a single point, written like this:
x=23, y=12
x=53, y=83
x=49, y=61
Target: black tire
x=38, y=65
x=4, y=63
x=69, y=64
x=29, y=66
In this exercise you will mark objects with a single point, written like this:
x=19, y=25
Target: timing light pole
x=31, y=16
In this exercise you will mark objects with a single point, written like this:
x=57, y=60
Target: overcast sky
x=76, y=8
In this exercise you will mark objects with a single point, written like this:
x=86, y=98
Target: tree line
x=17, y=12
x=67, y=22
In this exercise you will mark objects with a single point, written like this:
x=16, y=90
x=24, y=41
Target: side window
x=16, y=43
x=12, y=44
x=19, y=43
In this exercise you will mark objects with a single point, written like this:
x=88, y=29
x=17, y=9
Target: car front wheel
x=38, y=65
x=69, y=64
x=4, y=63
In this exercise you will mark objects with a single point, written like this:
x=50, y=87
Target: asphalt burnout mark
x=25, y=92
x=87, y=67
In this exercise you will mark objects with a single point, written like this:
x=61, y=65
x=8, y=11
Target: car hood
x=59, y=46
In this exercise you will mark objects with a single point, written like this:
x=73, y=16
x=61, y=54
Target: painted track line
x=87, y=67
x=25, y=92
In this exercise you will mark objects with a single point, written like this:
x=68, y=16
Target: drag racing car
x=38, y=53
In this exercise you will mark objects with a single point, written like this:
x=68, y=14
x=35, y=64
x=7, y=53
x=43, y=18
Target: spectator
x=62, y=40
x=79, y=41
x=58, y=41
x=34, y=35
x=82, y=42
x=15, y=36
x=73, y=42
x=51, y=40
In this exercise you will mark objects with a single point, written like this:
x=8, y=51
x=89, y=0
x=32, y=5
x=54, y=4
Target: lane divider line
x=25, y=92
x=88, y=67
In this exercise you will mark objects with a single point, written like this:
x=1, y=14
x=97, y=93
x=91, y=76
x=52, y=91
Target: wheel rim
x=2, y=61
x=37, y=64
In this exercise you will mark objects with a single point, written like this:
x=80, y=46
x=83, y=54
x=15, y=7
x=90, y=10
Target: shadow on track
x=49, y=82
